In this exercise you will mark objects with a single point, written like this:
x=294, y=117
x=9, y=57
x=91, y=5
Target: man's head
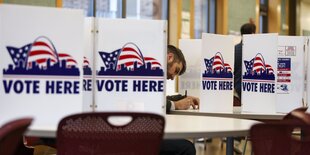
x=248, y=28
x=176, y=64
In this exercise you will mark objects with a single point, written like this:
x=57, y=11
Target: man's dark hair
x=178, y=56
x=248, y=28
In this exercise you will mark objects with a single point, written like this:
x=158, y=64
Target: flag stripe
x=41, y=52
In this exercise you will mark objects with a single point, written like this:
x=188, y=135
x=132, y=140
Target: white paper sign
x=191, y=79
x=41, y=59
x=217, y=63
x=290, y=75
x=259, y=73
x=88, y=64
x=131, y=65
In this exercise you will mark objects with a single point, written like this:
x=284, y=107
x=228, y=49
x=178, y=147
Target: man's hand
x=186, y=103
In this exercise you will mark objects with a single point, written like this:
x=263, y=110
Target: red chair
x=277, y=138
x=93, y=133
x=11, y=136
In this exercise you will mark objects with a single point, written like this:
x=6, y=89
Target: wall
x=239, y=12
x=305, y=18
x=51, y=3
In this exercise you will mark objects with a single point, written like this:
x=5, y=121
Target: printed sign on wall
x=131, y=65
x=190, y=80
x=290, y=80
x=40, y=63
x=217, y=63
x=259, y=73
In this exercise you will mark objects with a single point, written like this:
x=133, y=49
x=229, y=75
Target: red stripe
x=64, y=55
x=39, y=52
x=128, y=56
x=218, y=68
x=217, y=57
x=40, y=43
x=43, y=60
x=85, y=61
x=129, y=49
x=156, y=63
x=258, y=64
x=131, y=63
x=71, y=60
x=258, y=58
x=148, y=58
x=216, y=63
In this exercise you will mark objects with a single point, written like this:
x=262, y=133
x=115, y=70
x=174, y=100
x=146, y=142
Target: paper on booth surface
x=41, y=63
x=191, y=79
x=290, y=75
x=88, y=64
x=259, y=73
x=217, y=62
x=130, y=65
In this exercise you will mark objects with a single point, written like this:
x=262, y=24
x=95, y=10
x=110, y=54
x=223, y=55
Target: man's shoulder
x=238, y=47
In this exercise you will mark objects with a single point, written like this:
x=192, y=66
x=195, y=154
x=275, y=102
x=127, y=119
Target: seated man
x=176, y=65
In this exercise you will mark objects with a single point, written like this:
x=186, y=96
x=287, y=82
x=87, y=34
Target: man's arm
x=168, y=106
x=181, y=103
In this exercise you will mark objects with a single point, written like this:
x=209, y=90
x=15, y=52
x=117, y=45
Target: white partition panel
x=259, y=72
x=217, y=63
x=307, y=93
x=191, y=79
x=41, y=59
x=131, y=65
x=88, y=64
x=290, y=75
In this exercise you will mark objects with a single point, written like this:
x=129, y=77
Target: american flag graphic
x=218, y=63
x=110, y=59
x=227, y=66
x=208, y=63
x=269, y=68
x=130, y=54
x=127, y=56
x=19, y=55
x=68, y=58
x=249, y=65
x=154, y=62
x=85, y=62
x=257, y=65
x=39, y=52
x=42, y=50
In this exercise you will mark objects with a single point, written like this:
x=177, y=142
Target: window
x=263, y=16
x=205, y=15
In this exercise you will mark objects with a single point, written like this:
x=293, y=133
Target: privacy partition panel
x=290, y=75
x=130, y=65
x=41, y=61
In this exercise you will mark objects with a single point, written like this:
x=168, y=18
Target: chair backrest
x=11, y=135
x=294, y=113
x=277, y=138
x=93, y=133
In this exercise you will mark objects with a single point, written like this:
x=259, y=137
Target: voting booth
x=190, y=81
x=130, y=65
x=217, y=62
x=259, y=73
x=290, y=74
x=41, y=63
